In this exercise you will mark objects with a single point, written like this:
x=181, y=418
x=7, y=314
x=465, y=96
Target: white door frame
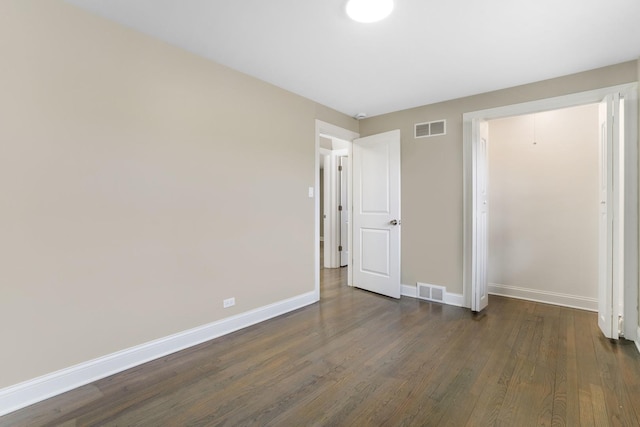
x=471, y=123
x=324, y=128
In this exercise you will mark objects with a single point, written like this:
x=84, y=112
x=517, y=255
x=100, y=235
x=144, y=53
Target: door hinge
x=339, y=168
x=340, y=207
x=340, y=248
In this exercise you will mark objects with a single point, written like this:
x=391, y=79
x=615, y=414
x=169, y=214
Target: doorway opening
x=327, y=133
x=334, y=206
x=619, y=262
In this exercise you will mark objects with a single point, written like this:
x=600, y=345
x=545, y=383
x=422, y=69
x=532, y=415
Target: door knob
x=394, y=222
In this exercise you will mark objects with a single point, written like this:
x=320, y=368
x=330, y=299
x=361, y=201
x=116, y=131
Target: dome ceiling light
x=367, y=11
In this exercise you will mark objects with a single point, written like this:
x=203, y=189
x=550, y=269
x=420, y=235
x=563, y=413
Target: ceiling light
x=369, y=10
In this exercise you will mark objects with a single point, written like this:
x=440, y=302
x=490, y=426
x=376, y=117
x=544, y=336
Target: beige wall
x=543, y=201
x=432, y=170
x=329, y=115
x=140, y=185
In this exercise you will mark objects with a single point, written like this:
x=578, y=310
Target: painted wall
x=543, y=202
x=141, y=185
x=432, y=170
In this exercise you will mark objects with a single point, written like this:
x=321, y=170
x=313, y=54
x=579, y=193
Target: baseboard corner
x=408, y=291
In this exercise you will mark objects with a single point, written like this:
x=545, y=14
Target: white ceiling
x=426, y=51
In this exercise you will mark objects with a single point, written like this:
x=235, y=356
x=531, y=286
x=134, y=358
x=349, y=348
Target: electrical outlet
x=228, y=302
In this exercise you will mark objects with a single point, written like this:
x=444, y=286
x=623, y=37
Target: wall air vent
x=427, y=129
x=430, y=292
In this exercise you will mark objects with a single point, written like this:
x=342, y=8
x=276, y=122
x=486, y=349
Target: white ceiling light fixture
x=367, y=11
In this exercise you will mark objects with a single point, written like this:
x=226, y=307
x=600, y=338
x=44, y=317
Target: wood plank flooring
x=360, y=359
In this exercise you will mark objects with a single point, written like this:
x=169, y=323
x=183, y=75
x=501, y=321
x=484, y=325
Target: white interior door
x=607, y=315
x=326, y=214
x=343, y=210
x=479, y=285
x=376, y=213
x=332, y=208
x=628, y=139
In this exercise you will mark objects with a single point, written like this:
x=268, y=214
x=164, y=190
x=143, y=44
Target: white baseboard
x=637, y=341
x=449, y=298
x=32, y=391
x=565, y=300
x=454, y=299
x=409, y=291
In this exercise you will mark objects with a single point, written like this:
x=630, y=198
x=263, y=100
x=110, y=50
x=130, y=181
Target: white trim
x=32, y=391
x=454, y=299
x=630, y=264
x=555, y=103
x=409, y=291
x=449, y=298
x=637, y=341
x=547, y=297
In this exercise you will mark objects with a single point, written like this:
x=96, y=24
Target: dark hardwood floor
x=360, y=359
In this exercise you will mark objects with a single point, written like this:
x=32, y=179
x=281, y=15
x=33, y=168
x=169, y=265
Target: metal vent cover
x=427, y=129
x=430, y=292
x=422, y=130
x=424, y=292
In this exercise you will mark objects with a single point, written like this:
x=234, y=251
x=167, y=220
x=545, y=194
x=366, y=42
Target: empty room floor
x=360, y=359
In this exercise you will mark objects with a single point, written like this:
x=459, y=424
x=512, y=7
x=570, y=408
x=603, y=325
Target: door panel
x=375, y=251
x=607, y=316
x=376, y=213
x=480, y=288
x=374, y=169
